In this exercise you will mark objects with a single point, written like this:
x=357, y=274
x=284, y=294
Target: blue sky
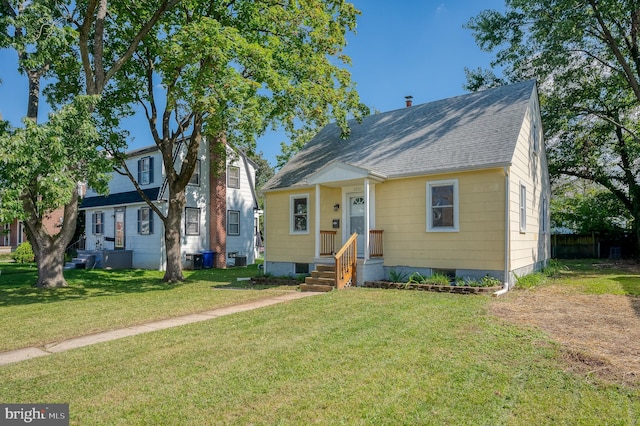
x=404, y=47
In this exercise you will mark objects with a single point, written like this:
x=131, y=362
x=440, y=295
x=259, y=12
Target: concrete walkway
x=79, y=342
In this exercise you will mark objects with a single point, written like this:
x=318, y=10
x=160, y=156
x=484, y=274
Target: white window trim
x=145, y=172
x=292, y=228
x=229, y=223
x=456, y=206
x=195, y=177
x=94, y=223
x=523, y=208
x=235, y=178
x=148, y=230
x=186, y=223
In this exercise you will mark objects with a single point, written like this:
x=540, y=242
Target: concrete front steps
x=322, y=279
x=83, y=261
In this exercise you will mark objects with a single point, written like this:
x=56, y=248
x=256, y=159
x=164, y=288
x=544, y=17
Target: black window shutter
x=139, y=221
x=93, y=223
x=150, y=169
x=139, y=171
x=102, y=223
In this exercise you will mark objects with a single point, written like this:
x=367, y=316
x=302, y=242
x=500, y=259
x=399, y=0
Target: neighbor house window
x=523, y=208
x=145, y=170
x=299, y=214
x=195, y=178
x=192, y=221
x=7, y=234
x=233, y=222
x=442, y=206
x=145, y=221
x=233, y=177
x=97, y=223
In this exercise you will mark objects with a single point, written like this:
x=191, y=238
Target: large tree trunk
x=50, y=258
x=172, y=226
x=49, y=249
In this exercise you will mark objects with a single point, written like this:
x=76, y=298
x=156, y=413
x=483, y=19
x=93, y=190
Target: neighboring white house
x=220, y=215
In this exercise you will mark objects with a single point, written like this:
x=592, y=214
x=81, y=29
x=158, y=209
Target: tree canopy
x=586, y=57
x=224, y=73
x=66, y=42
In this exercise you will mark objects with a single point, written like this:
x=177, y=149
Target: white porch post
x=366, y=218
x=317, y=221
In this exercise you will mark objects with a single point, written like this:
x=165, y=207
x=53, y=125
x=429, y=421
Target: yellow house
x=457, y=186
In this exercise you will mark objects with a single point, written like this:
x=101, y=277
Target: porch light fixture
x=336, y=207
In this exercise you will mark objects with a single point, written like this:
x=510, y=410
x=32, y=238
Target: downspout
x=507, y=235
x=264, y=240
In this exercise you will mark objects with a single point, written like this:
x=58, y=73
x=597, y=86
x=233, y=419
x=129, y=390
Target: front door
x=119, y=229
x=356, y=219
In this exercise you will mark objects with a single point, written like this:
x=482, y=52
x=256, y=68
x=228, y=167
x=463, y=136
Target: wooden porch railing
x=327, y=243
x=346, y=260
x=375, y=243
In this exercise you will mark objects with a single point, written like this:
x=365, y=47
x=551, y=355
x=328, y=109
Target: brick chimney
x=408, y=100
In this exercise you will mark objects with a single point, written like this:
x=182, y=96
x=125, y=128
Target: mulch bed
x=275, y=281
x=458, y=289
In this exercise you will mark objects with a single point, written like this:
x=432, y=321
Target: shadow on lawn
x=17, y=283
x=631, y=285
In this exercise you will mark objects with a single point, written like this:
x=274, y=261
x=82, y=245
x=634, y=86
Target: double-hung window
x=233, y=177
x=145, y=170
x=192, y=221
x=523, y=208
x=145, y=221
x=7, y=234
x=195, y=177
x=442, y=206
x=97, y=223
x=233, y=222
x=299, y=214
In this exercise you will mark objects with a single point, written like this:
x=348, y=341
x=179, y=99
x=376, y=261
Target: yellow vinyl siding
x=281, y=245
x=528, y=169
x=401, y=209
x=328, y=198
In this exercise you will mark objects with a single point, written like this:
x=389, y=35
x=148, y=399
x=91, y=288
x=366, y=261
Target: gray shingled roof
x=471, y=131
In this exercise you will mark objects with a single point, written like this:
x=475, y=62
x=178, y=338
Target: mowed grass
x=595, y=276
x=100, y=300
x=359, y=356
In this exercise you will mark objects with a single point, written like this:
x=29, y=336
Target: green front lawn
x=359, y=356
x=101, y=300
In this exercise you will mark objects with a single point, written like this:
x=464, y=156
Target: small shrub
x=531, y=280
x=438, y=279
x=416, y=278
x=397, y=277
x=24, y=253
x=488, y=281
x=470, y=282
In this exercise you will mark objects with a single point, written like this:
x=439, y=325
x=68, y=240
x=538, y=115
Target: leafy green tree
x=63, y=41
x=585, y=208
x=586, y=58
x=225, y=72
x=40, y=170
